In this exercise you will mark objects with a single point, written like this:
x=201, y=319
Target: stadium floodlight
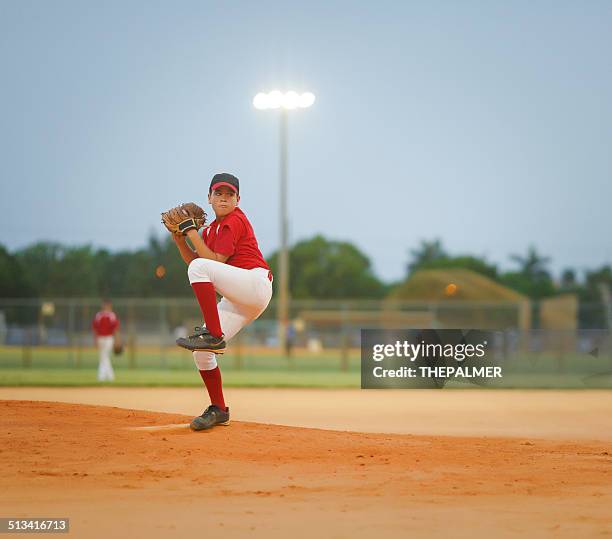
x=291, y=100
x=260, y=101
x=307, y=99
x=275, y=99
x=287, y=101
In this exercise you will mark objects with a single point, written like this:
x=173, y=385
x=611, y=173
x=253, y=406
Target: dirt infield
x=95, y=465
x=551, y=414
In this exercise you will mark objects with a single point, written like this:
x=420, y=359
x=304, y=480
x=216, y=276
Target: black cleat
x=213, y=415
x=202, y=340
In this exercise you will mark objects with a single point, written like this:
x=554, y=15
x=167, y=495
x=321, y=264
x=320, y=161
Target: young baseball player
x=226, y=260
x=105, y=326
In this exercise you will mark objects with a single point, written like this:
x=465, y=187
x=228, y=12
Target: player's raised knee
x=198, y=269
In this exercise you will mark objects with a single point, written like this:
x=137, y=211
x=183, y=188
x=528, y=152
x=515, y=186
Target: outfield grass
x=269, y=378
x=177, y=378
x=170, y=359
x=174, y=367
x=154, y=368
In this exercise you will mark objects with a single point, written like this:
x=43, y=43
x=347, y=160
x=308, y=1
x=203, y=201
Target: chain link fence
x=47, y=333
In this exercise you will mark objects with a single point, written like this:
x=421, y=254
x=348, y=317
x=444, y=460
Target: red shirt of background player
x=234, y=237
x=105, y=323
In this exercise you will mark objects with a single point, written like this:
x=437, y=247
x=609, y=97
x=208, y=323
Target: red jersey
x=105, y=323
x=234, y=237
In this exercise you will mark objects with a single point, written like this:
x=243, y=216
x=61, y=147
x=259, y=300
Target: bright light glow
x=260, y=101
x=289, y=100
x=275, y=99
x=307, y=99
x=451, y=289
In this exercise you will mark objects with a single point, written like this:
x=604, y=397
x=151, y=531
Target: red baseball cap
x=223, y=178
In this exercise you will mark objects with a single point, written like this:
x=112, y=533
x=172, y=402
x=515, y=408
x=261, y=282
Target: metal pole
x=606, y=298
x=163, y=331
x=71, y=317
x=283, y=289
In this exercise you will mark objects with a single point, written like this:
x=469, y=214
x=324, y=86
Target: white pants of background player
x=105, y=368
x=246, y=294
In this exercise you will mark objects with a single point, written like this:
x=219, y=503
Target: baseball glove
x=118, y=349
x=184, y=217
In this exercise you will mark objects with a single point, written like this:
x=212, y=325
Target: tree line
x=320, y=268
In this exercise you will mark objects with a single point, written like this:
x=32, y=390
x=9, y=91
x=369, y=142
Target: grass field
x=177, y=378
x=172, y=359
x=172, y=367
x=61, y=377
x=154, y=367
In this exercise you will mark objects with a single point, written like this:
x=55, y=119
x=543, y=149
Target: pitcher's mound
x=117, y=472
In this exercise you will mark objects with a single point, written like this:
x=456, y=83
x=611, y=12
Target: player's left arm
x=202, y=250
x=117, y=334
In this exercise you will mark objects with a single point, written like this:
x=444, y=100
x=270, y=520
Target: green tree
x=533, y=278
x=325, y=269
x=430, y=254
x=569, y=281
x=49, y=269
x=12, y=280
x=593, y=311
x=473, y=263
x=73, y=273
x=38, y=262
x=532, y=265
x=427, y=252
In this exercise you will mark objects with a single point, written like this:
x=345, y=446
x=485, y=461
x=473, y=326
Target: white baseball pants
x=246, y=294
x=105, y=368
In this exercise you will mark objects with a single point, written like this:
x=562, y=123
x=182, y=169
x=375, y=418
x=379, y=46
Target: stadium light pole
x=283, y=102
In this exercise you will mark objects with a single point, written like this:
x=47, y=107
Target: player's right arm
x=202, y=250
x=186, y=252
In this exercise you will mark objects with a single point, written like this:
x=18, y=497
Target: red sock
x=214, y=386
x=205, y=292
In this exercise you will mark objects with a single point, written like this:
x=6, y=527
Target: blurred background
x=453, y=172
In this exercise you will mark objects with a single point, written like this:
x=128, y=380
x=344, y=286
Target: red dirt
x=86, y=463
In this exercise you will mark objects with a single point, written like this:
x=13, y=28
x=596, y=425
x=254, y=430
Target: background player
x=226, y=260
x=105, y=326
